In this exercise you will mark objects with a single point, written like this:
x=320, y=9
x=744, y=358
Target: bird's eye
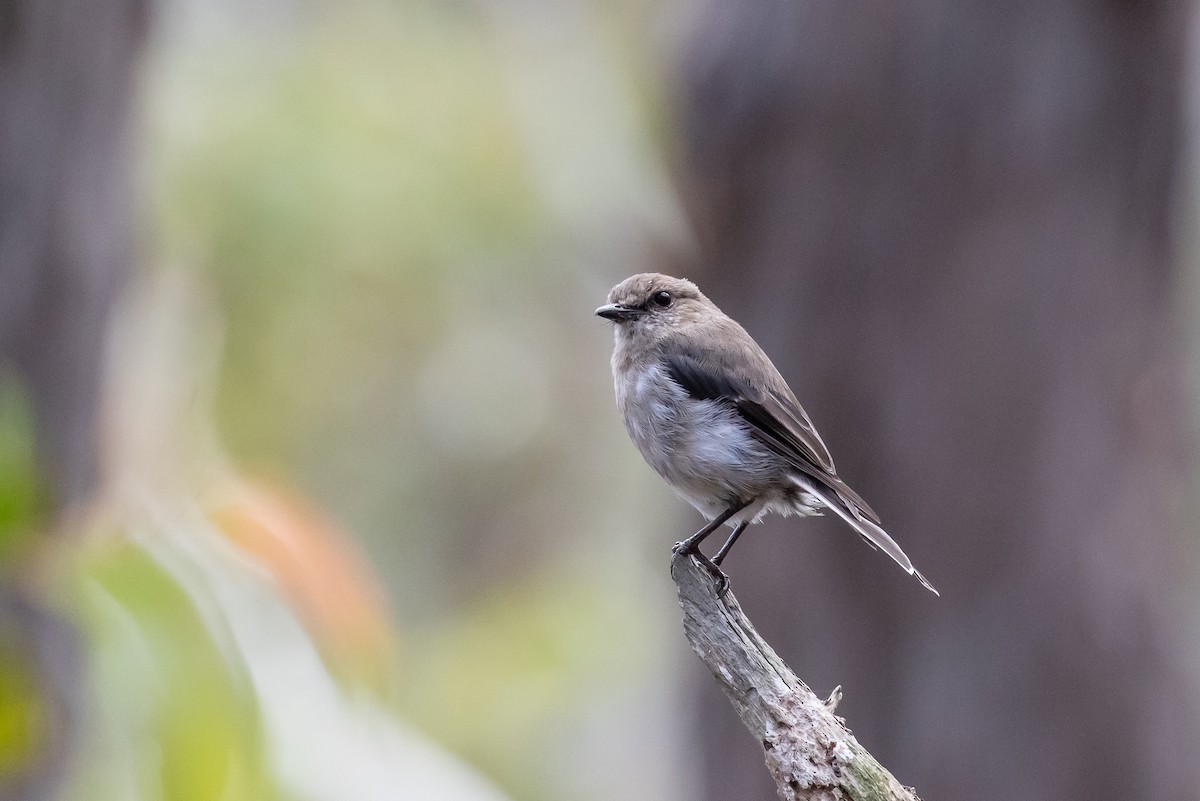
x=662, y=299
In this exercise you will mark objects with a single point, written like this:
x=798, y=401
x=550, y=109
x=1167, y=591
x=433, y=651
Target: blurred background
x=311, y=481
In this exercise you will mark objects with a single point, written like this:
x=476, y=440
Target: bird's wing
x=774, y=417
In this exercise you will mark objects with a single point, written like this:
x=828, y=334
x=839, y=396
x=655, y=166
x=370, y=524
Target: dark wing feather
x=773, y=416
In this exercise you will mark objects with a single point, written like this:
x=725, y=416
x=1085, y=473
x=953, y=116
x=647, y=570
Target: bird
x=711, y=414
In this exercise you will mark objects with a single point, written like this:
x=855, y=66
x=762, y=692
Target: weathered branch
x=809, y=751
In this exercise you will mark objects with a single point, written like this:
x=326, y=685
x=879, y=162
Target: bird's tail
x=869, y=531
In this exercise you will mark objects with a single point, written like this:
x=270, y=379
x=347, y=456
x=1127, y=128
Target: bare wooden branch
x=809, y=751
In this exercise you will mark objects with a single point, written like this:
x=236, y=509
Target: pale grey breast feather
x=702, y=448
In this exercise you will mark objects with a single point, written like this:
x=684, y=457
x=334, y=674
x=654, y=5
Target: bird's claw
x=717, y=573
x=685, y=547
x=722, y=584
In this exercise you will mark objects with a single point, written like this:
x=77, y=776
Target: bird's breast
x=702, y=448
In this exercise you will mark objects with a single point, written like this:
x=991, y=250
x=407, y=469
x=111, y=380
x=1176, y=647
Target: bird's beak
x=617, y=313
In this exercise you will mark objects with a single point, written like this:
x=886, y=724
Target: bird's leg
x=692, y=546
x=692, y=543
x=724, y=551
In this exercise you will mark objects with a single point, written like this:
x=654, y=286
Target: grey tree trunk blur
x=66, y=91
x=950, y=225
x=66, y=81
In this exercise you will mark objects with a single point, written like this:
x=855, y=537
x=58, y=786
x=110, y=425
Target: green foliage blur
x=19, y=502
x=370, y=526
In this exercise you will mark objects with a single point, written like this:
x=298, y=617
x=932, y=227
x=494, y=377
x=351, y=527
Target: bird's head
x=652, y=305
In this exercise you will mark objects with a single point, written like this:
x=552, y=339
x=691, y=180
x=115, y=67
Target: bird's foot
x=691, y=546
x=722, y=580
